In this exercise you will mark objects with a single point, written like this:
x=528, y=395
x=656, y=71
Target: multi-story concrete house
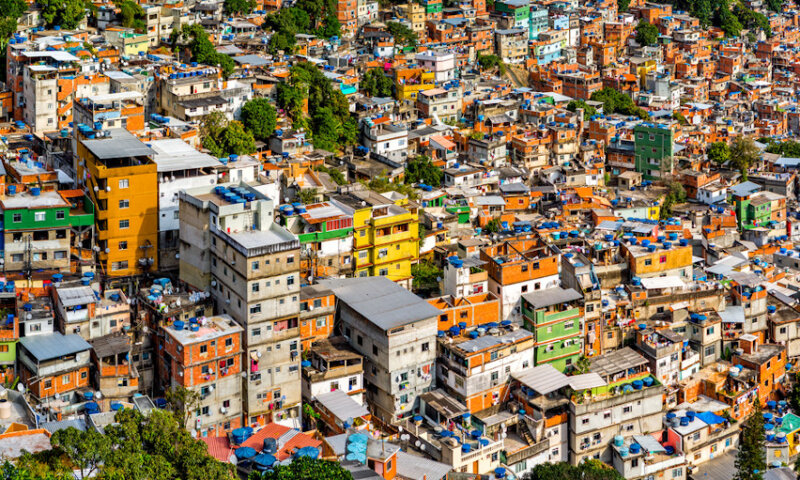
x=53, y=365
x=616, y=409
x=555, y=317
x=253, y=267
x=519, y=266
x=333, y=365
x=205, y=356
x=395, y=332
x=475, y=371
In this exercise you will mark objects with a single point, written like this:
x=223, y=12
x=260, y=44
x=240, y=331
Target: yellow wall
x=370, y=240
x=677, y=257
x=142, y=211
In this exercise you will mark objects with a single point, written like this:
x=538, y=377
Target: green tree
x=617, y=102
x=305, y=468
x=588, y=110
x=488, y=62
x=426, y=276
x=375, y=83
x=334, y=173
x=583, y=364
x=676, y=194
x=67, y=14
x=307, y=196
x=86, y=450
x=751, y=461
x=744, y=154
x=259, y=118
x=182, y=402
x=623, y=5
x=239, y=7
x=719, y=152
x=202, y=50
x=13, y=8
x=646, y=33
x=587, y=470
x=775, y=5
x=421, y=169
x=402, y=34
x=236, y=140
x=787, y=148
x=132, y=15
x=493, y=226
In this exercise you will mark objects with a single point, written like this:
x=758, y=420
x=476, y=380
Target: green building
x=325, y=232
x=654, y=149
x=554, y=317
x=433, y=8
x=751, y=209
x=519, y=10
x=41, y=228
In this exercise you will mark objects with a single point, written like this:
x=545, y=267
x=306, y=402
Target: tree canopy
x=588, y=110
x=305, y=468
x=259, y=118
x=787, y=148
x=314, y=17
x=751, y=461
x=646, y=33
x=617, y=102
x=729, y=15
x=487, y=62
x=375, y=83
x=719, y=152
x=239, y=7
x=201, y=48
x=402, y=34
x=421, y=169
x=588, y=470
x=744, y=154
x=67, y=14
x=132, y=15
x=330, y=123
x=135, y=447
x=223, y=138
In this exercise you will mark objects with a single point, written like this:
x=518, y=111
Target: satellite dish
x=21, y=388
x=232, y=459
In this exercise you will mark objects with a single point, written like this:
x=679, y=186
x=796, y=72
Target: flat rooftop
x=214, y=327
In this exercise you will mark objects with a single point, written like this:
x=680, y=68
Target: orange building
x=54, y=364
x=317, y=307
x=205, y=356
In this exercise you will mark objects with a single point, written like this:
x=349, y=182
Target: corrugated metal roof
x=649, y=444
x=73, y=296
x=53, y=345
x=617, y=361
x=586, y=381
x=342, y=405
x=415, y=467
x=121, y=143
x=381, y=301
x=543, y=379
x=551, y=296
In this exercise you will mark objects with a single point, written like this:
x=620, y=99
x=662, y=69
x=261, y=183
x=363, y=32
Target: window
x=627, y=409
x=383, y=272
x=290, y=259
x=124, y=203
x=290, y=280
x=662, y=259
x=48, y=383
x=254, y=287
x=677, y=472
x=60, y=215
x=40, y=216
x=65, y=379
x=255, y=308
x=16, y=257
x=60, y=254
x=647, y=262
x=425, y=347
x=228, y=342
x=123, y=265
x=123, y=224
x=3, y=348
x=123, y=183
x=256, y=332
x=254, y=265
x=123, y=245
x=17, y=217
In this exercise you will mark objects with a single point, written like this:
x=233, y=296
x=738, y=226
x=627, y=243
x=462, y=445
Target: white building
x=388, y=140
x=443, y=64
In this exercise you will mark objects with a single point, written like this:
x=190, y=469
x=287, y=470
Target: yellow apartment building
x=385, y=235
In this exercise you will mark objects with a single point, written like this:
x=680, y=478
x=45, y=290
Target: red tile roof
x=219, y=448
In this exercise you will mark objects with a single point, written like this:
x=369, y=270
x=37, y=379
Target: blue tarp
x=710, y=418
